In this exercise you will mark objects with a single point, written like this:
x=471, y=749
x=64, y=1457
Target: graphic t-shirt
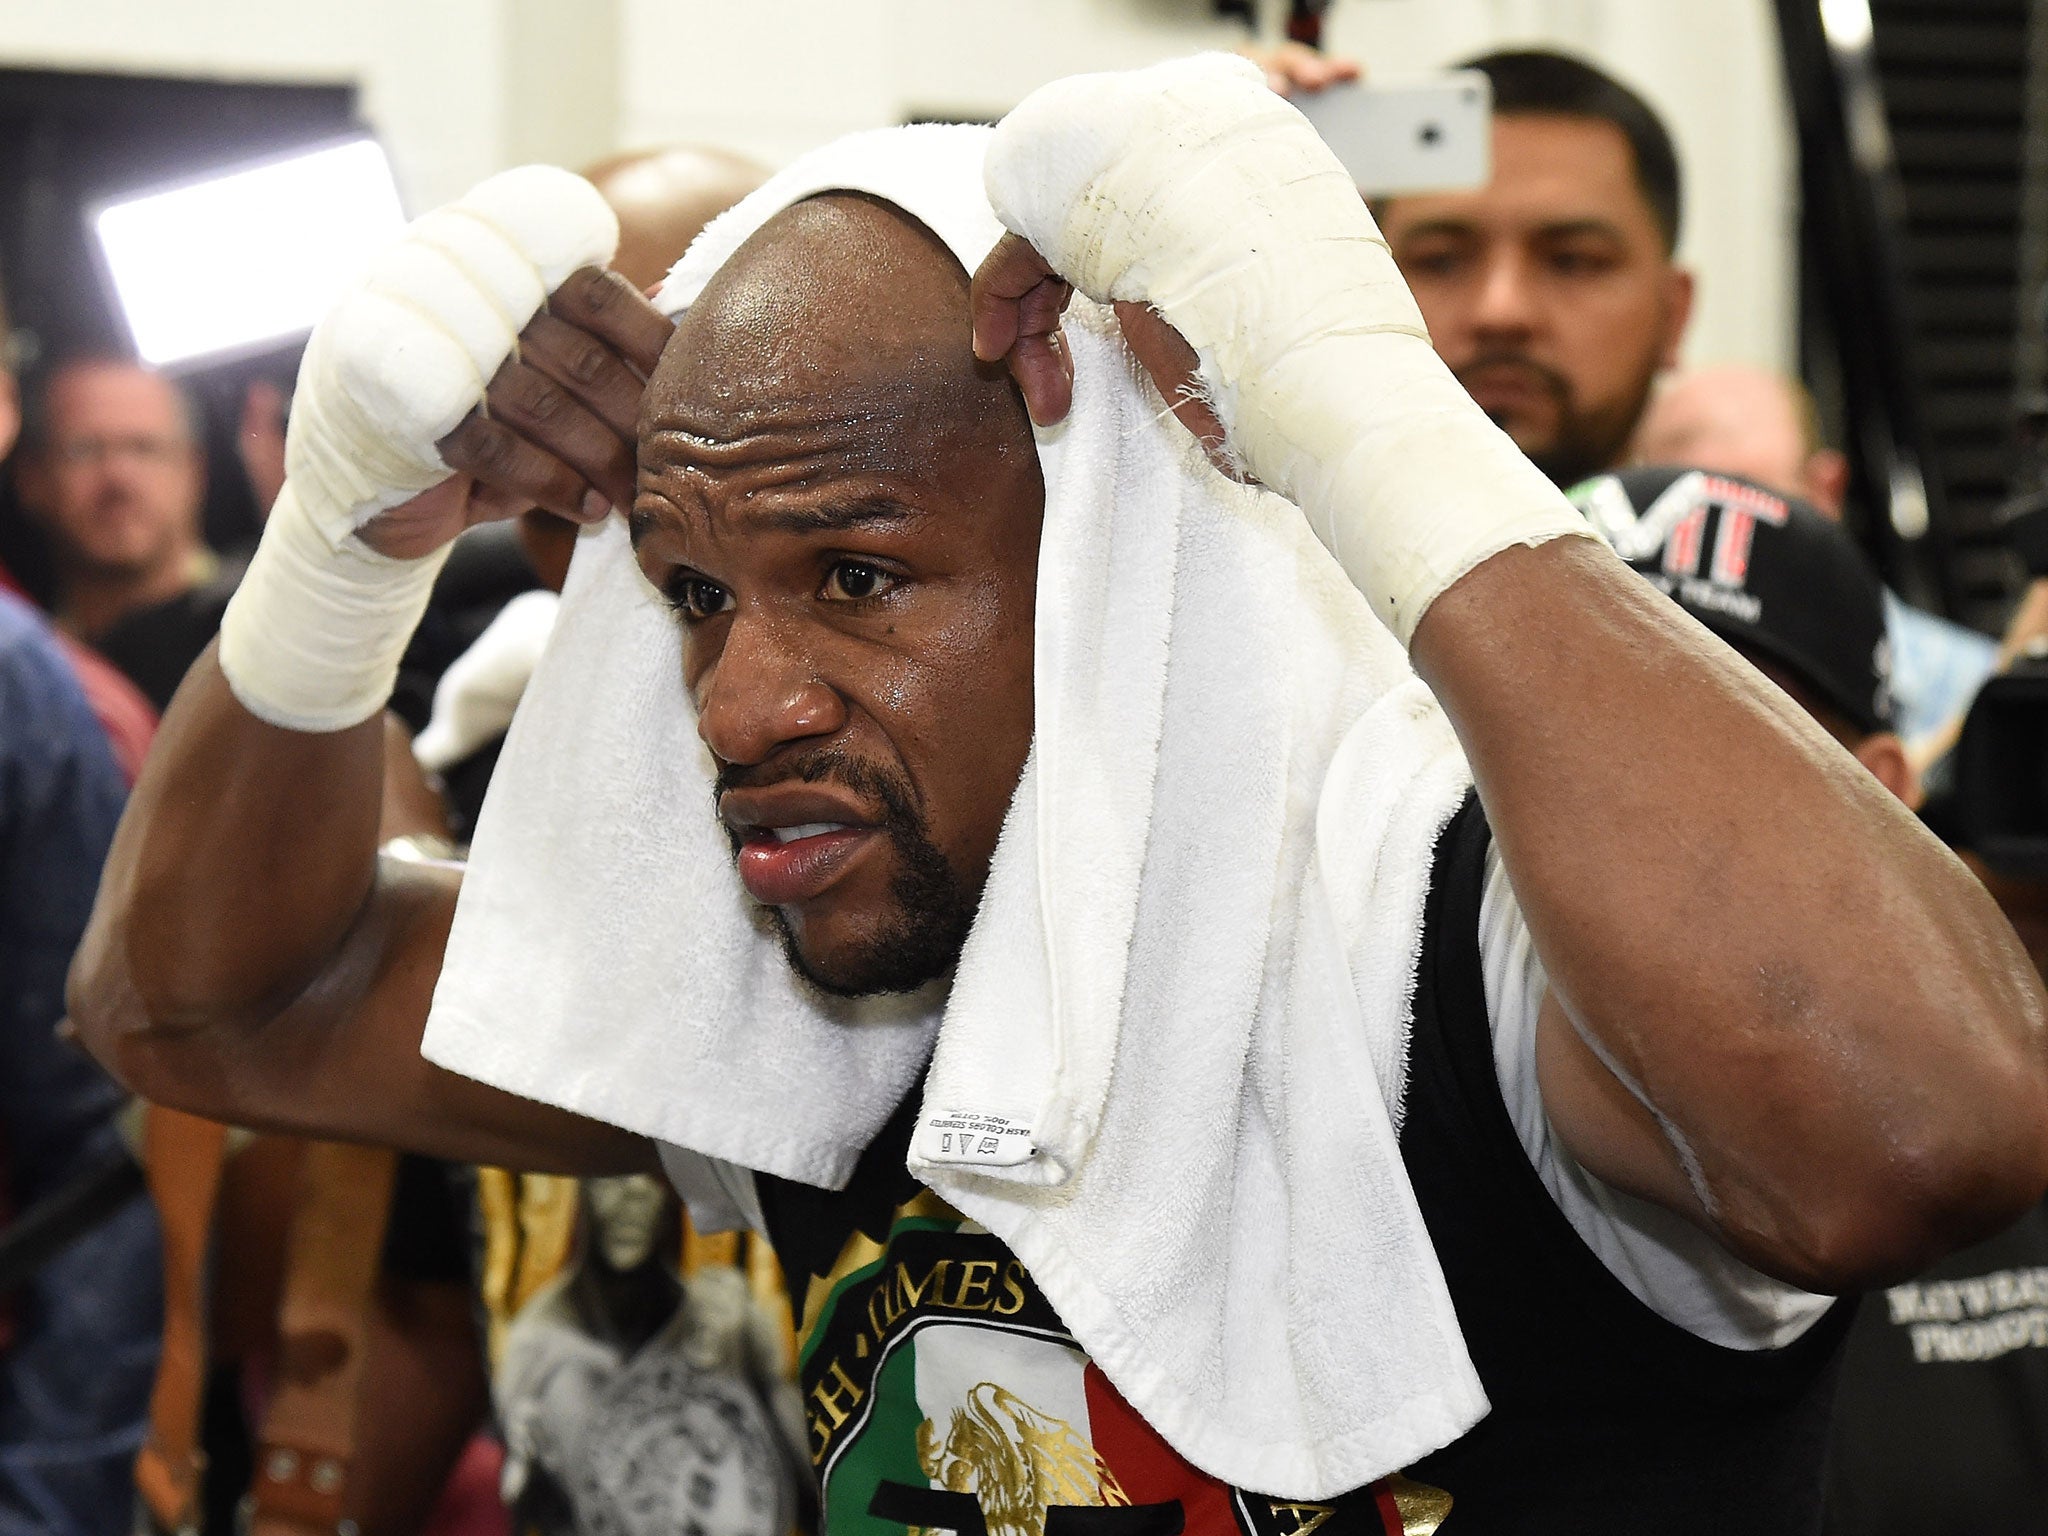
x=1943, y=1419
x=942, y=1392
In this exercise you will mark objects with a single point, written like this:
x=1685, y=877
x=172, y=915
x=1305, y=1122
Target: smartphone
x=1426, y=135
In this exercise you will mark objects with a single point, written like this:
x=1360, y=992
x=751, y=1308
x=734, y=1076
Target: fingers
x=1017, y=302
x=587, y=368
x=512, y=471
x=558, y=425
x=1005, y=276
x=613, y=310
x=1294, y=67
x=525, y=399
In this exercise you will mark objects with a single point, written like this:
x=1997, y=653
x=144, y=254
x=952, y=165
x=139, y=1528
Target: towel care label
x=972, y=1139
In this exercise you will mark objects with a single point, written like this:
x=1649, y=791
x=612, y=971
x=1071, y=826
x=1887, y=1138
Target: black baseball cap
x=1765, y=572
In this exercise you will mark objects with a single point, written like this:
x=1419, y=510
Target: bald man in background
x=1752, y=422
x=663, y=197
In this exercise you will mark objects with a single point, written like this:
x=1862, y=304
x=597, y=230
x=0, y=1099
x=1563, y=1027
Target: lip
x=786, y=874
x=779, y=874
x=1504, y=384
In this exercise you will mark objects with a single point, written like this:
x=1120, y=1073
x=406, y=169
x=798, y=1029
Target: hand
x=1017, y=302
x=1296, y=67
x=558, y=426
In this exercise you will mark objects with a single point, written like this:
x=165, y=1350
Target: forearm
x=340, y=1060
x=1830, y=1018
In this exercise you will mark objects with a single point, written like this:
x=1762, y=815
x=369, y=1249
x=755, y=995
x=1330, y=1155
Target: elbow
x=1934, y=1142
x=147, y=1032
x=154, y=967
x=108, y=1014
x=1916, y=1194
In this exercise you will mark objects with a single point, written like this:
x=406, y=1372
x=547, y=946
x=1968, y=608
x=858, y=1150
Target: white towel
x=1170, y=1063
x=479, y=693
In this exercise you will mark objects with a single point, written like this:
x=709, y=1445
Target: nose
x=1506, y=305
x=762, y=692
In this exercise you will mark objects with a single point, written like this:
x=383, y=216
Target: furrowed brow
x=1577, y=229
x=835, y=517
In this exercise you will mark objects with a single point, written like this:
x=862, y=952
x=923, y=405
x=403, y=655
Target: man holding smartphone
x=1553, y=291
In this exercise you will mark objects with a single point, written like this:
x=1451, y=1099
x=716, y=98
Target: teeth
x=808, y=829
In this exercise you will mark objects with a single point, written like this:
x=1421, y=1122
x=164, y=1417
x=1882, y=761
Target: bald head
x=841, y=307
x=1743, y=421
x=663, y=197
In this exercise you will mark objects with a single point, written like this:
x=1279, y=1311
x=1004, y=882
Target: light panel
x=250, y=256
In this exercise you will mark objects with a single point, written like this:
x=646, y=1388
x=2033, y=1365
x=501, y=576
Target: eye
x=1580, y=263
x=1433, y=261
x=695, y=598
x=853, y=581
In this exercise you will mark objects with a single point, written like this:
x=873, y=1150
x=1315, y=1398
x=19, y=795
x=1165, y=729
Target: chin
x=905, y=954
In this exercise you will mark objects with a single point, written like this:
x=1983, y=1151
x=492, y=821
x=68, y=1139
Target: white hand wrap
x=1192, y=187
x=313, y=637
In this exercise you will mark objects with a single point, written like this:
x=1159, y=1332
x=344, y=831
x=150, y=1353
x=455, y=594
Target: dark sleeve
x=60, y=797
x=75, y=1383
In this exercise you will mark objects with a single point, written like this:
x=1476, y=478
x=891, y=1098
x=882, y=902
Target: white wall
x=462, y=87
x=430, y=71
x=775, y=77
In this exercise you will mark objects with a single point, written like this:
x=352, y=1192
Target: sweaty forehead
x=840, y=311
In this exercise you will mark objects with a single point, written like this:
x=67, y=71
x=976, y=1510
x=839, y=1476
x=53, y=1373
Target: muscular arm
x=250, y=957
x=1778, y=1005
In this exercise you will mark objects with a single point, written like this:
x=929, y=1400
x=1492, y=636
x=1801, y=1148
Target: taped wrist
x=1193, y=188
x=312, y=638
x=314, y=634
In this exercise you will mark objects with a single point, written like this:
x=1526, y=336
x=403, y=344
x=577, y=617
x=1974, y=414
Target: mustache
x=883, y=786
x=1548, y=379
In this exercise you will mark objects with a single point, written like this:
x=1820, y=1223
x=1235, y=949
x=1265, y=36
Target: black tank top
x=1605, y=1416
x=942, y=1391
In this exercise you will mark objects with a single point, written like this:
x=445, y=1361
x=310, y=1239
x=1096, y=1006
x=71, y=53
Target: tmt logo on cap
x=1674, y=524
x=1766, y=572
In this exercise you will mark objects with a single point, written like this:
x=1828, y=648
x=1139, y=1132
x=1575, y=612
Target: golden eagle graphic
x=1016, y=1460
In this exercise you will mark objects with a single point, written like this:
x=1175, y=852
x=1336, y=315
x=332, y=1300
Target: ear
x=1825, y=479
x=1678, y=299
x=1885, y=756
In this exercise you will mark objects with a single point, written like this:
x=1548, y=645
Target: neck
x=95, y=600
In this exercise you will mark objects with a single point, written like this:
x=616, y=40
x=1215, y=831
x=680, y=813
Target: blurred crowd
x=494, y=1313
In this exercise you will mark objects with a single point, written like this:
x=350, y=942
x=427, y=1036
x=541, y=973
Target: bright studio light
x=250, y=256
